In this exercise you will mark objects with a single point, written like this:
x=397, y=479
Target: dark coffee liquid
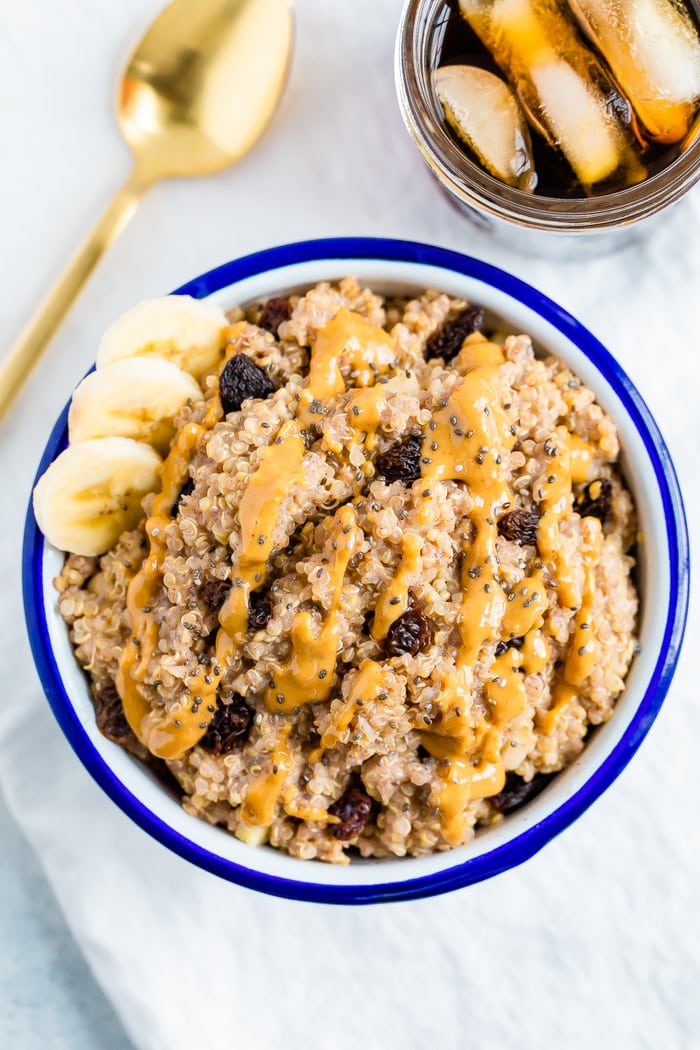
x=458, y=44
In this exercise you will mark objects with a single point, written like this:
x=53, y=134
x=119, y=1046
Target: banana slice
x=186, y=331
x=92, y=492
x=137, y=397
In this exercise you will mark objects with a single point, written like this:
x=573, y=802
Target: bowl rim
x=522, y=846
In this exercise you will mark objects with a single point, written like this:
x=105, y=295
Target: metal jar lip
x=419, y=35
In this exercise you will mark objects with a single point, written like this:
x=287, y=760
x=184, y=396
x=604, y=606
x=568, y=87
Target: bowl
x=542, y=225
x=663, y=573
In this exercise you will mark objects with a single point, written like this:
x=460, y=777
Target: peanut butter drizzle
x=264, y=791
x=571, y=463
x=470, y=446
x=556, y=503
x=483, y=599
x=477, y=351
x=352, y=337
x=473, y=436
x=302, y=811
x=580, y=658
x=504, y=690
x=231, y=334
x=580, y=458
x=308, y=674
x=535, y=653
x=393, y=601
x=526, y=608
x=279, y=467
x=169, y=736
x=454, y=703
x=165, y=734
x=459, y=443
x=364, y=410
x=581, y=652
x=464, y=778
x=366, y=413
x=563, y=695
x=367, y=686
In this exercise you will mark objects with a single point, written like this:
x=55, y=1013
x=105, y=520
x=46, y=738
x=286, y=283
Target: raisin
x=518, y=792
x=596, y=500
x=240, y=379
x=354, y=809
x=275, y=311
x=259, y=610
x=512, y=643
x=401, y=462
x=519, y=526
x=213, y=593
x=109, y=714
x=409, y=634
x=186, y=490
x=447, y=341
x=228, y=728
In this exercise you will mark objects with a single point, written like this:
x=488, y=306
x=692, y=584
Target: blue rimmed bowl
x=663, y=577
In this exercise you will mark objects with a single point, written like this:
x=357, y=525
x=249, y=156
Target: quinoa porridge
x=382, y=590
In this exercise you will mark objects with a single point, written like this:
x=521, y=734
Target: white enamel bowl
x=663, y=574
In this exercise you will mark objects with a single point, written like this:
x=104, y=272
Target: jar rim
x=475, y=187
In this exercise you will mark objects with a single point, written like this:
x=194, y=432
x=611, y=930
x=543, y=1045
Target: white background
x=595, y=942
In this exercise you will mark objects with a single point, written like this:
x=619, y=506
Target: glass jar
x=549, y=225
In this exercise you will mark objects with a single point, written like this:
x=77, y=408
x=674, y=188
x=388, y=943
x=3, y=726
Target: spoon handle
x=22, y=356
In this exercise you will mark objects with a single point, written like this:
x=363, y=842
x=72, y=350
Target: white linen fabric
x=594, y=942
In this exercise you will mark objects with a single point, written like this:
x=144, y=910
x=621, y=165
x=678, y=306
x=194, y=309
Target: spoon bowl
x=197, y=94
x=203, y=84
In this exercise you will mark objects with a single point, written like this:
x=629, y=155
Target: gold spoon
x=197, y=94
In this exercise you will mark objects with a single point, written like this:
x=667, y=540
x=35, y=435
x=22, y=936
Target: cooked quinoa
x=378, y=604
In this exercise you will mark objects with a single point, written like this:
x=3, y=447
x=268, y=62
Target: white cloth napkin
x=596, y=941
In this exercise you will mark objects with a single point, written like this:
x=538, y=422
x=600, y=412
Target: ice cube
x=484, y=112
x=562, y=86
x=653, y=48
x=579, y=121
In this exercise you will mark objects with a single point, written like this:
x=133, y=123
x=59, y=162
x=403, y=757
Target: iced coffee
x=570, y=99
